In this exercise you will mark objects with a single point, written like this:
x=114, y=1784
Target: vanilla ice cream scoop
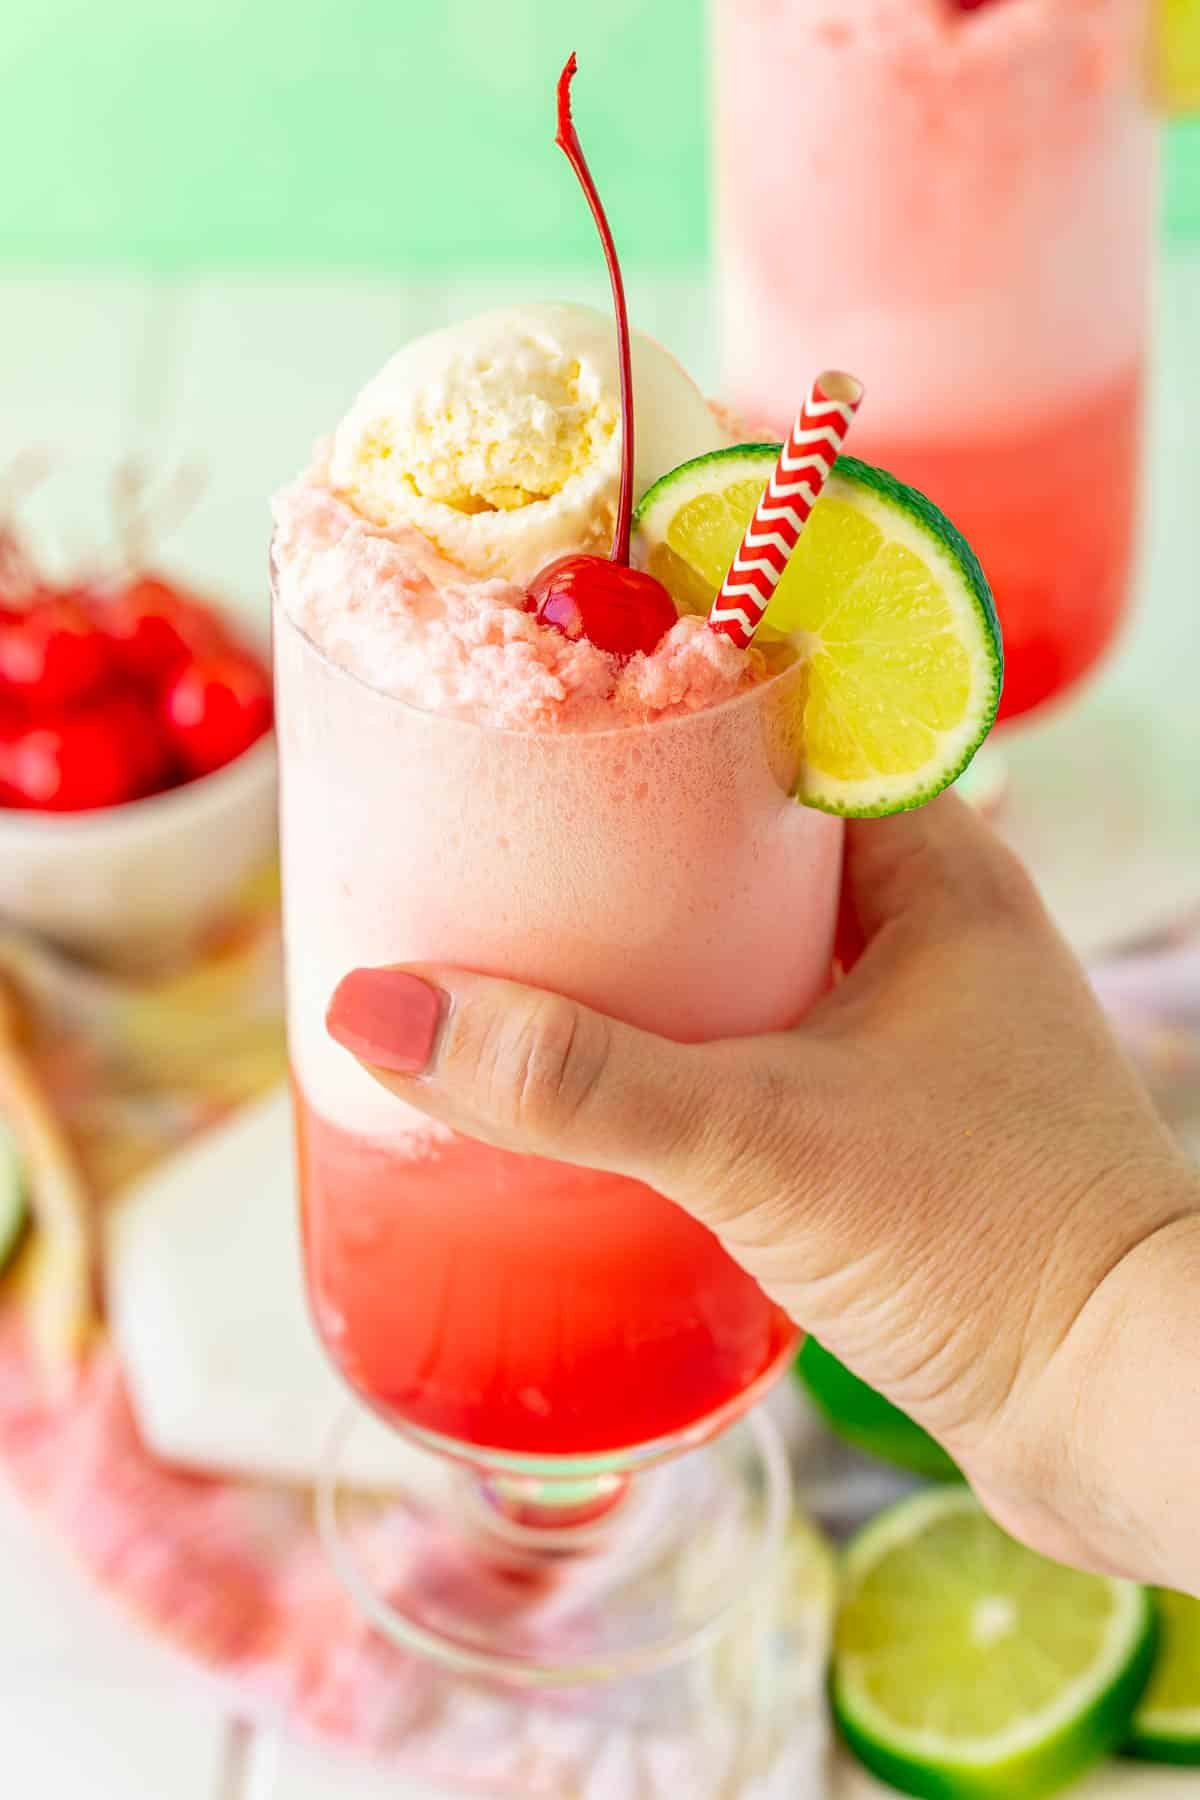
x=500, y=439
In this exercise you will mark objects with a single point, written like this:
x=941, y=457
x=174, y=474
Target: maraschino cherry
x=109, y=693
x=157, y=628
x=216, y=707
x=99, y=755
x=600, y=598
x=50, y=652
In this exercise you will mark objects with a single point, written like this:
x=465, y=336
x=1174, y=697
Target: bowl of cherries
x=137, y=761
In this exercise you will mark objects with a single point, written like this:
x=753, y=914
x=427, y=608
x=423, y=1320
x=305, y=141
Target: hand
x=947, y=1172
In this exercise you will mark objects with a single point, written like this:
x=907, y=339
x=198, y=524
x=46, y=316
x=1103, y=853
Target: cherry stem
x=567, y=140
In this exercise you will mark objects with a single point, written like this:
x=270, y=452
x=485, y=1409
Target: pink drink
x=657, y=869
x=957, y=205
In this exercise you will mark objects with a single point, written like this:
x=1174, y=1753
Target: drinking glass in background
x=955, y=201
x=551, y=1331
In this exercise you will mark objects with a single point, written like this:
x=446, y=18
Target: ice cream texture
x=500, y=438
x=476, y=456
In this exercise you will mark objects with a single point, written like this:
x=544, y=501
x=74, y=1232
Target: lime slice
x=1177, y=54
x=14, y=1214
x=1166, y=1726
x=968, y=1668
x=865, y=1419
x=882, y=597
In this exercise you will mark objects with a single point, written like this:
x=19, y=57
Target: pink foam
x=387, y=607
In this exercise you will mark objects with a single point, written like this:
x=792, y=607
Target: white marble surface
x=243, y=374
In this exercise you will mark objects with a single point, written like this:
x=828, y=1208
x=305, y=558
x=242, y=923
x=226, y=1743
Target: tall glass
x=552, y=1329
x=957, y=204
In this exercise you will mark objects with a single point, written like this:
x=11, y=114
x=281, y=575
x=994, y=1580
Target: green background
x=360, y=134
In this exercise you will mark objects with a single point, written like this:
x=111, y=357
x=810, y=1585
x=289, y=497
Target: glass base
x=629, y=1576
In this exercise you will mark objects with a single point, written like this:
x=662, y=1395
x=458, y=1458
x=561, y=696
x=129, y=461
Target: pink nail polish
x=386, y=1017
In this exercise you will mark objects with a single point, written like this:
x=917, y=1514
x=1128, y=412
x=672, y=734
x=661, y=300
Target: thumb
x=927, y=874
x=918, y=884
x=533, y=1071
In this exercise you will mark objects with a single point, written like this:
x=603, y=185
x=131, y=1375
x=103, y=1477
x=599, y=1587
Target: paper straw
x=802, y=470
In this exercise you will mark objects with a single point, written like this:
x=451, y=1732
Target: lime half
x=865, y=1419
x=884, y=600
x=1166, y=1726
x=968, y=1668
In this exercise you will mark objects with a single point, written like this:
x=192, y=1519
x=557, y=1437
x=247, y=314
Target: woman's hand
x=947, y=1172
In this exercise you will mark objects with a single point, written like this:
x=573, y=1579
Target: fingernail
x=386, y=1017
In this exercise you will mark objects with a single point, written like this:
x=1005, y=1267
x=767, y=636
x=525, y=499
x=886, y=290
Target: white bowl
x=134, y=886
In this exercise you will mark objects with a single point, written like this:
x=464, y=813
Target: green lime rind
x=862, y=1417
x=1046, y=1769
x=906, y=518
x=942, y=530
x=1178, y=1746
x=14, y=1209
x=943, y=539
x=941, y=535
x=1166, y=1725
x=1033, y=1758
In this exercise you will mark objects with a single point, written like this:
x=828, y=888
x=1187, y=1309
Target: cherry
x=136, y=720
x=619, y=609
x=101, y=755
x=157, y=629
x=216, y=707
x=51, y=654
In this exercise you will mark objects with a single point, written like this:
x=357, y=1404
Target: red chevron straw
x=802, y=470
